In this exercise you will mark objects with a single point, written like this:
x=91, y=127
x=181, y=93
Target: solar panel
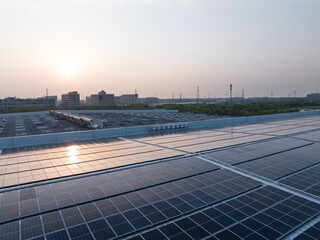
x=68, y=193
x=307, y=180
x=223, y=143
x=124, y=214
x=84, y=146
x=265, y=213
x=271, y=129
x=311, y=233
x=282, y=164
x=311, y=136
x=184, y=137
x=203, y=139
x=16, y=173
x=254, y=151
x=295, y=130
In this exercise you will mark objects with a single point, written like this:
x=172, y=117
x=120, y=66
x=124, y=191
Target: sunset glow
x=67, y=71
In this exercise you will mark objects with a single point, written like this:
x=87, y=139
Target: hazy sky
x=159, y=47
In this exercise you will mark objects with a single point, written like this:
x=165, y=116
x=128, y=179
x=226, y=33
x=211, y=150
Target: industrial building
x=19, y=103
x=70, y=100
x=126, y=99
x=102, y=99
x=149, y=100
x=249, y=181
x=313, y=95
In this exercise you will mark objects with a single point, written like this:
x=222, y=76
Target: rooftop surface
x=35, y=124
x=258, y=181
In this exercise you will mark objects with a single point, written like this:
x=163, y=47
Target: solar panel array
x=258, y=181
x=265, y=213
x=311, y=233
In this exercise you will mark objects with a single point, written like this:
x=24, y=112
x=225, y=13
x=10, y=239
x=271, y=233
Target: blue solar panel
x=257, y=150
x=307, y=180
x=45, y=198
x=282, y=164
x=222, y=221
x=118, y=216
x=312, y=233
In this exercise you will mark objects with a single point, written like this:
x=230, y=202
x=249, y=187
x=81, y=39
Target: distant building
x=313, y=95
x=53, y=98
x=149, y=100
x=18, y=103
x=88, y=100
x=127, y=99
x=101, y=99
x=70, y=100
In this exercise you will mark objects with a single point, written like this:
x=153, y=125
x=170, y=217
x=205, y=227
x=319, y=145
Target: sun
x=67, y=70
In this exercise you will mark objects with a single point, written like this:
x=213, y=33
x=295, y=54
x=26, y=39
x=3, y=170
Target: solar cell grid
x=295, y=130
x=257, y=150
x=74, y=151
x=312, y=136
x=50, y=169
x=210, y=137
x=181, y=143
x=61, y=148
x=311, y=233
x=310, y=120
x=127, y=213
x=265, y=213
x=247, y=127
x=282, y=164
x=307, y=180
x=67, y=193
x=272, y=129
x=222, y=143
x=182, y=137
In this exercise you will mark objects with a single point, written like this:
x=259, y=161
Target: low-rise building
x=149, y=100
x=19, y=103
x=126, y=99
x=313, y=95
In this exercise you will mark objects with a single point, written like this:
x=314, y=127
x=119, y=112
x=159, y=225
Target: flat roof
x=254, y=181
x=16, y=125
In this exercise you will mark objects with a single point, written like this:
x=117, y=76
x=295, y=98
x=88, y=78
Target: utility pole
x=230, y=92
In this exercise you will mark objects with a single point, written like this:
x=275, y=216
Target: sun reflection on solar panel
x=73, y=153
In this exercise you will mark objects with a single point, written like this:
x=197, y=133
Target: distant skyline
x=159, y=47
